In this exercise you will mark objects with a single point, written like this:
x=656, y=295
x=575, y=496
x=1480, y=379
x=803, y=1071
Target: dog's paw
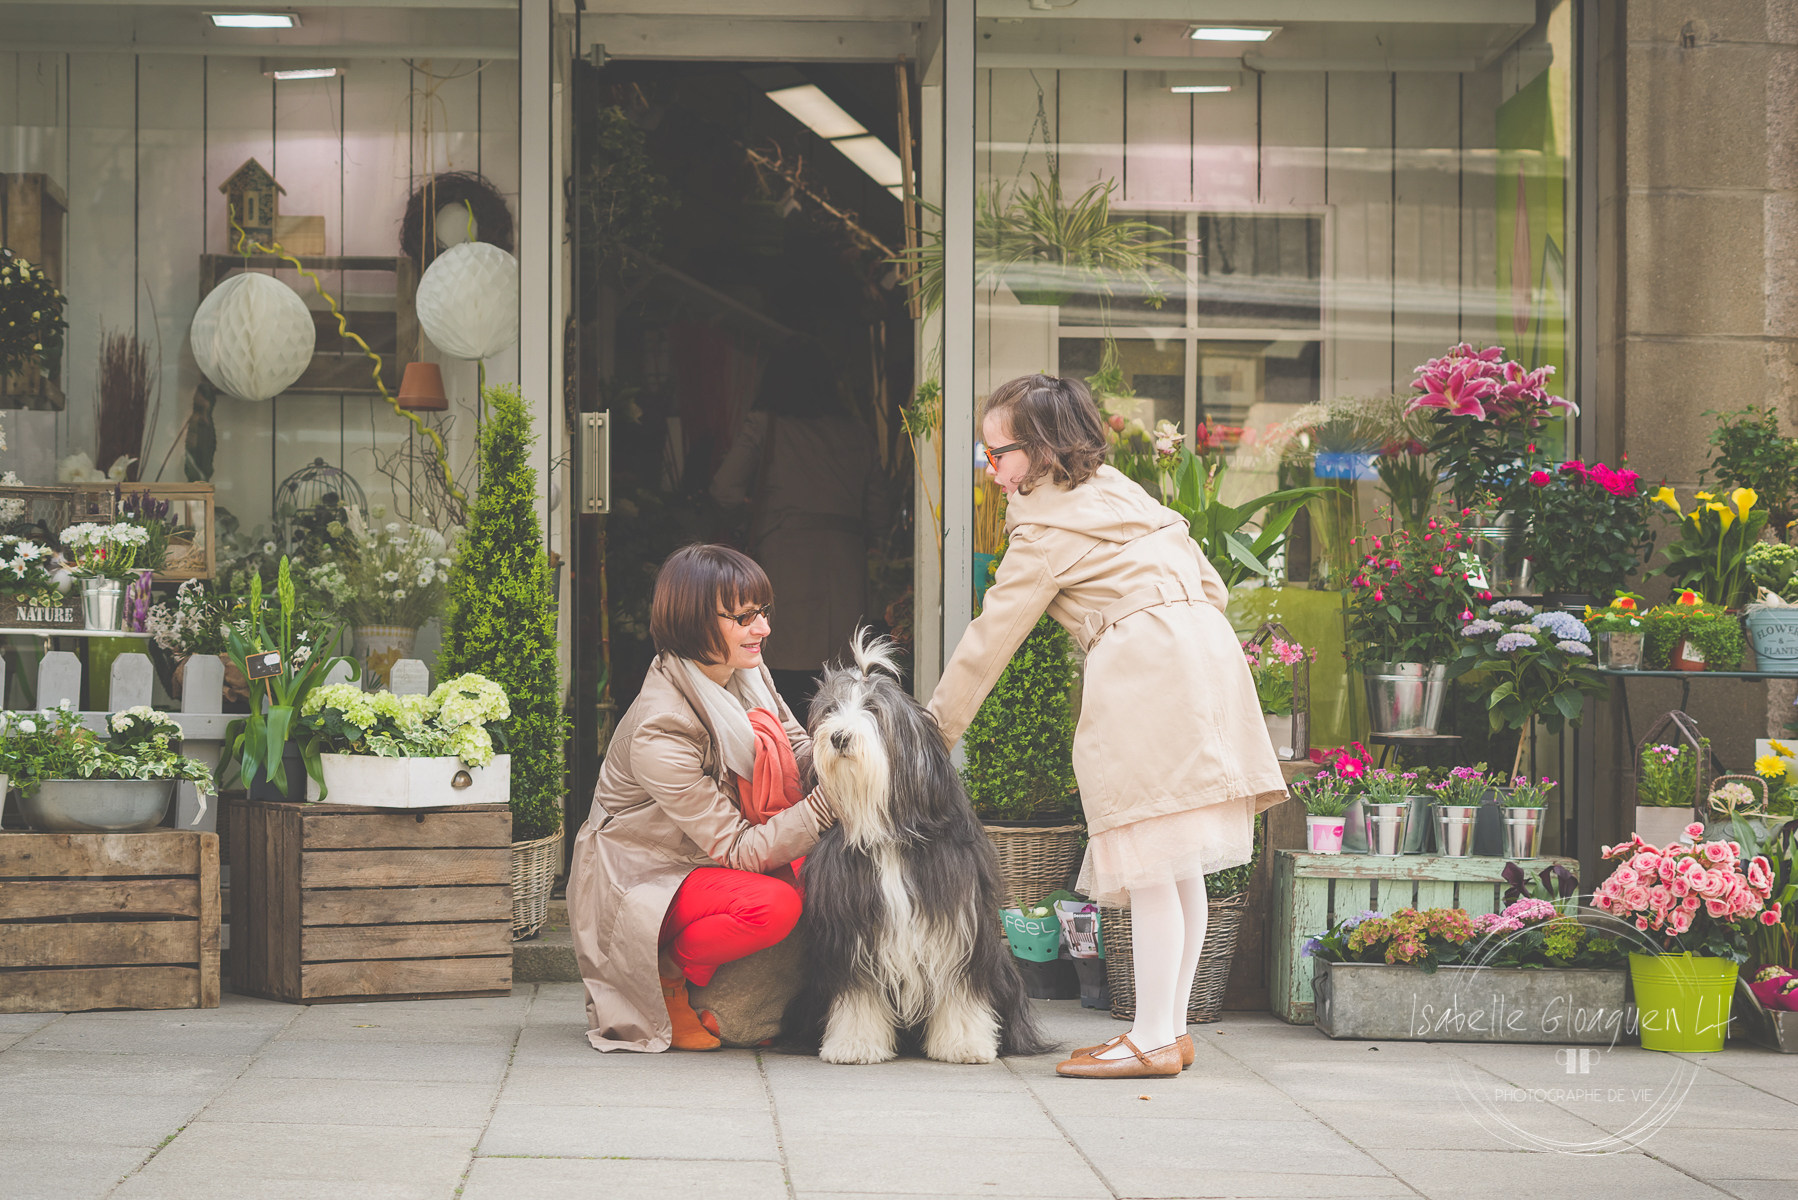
x=951, y=1051
x=848, y=1052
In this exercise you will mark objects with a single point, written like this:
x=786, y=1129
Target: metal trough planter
x=1561, y=1007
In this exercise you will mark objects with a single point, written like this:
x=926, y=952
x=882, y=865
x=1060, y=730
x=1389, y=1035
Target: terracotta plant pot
x=1687, y=657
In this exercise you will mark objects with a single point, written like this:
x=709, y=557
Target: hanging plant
x=31, y=321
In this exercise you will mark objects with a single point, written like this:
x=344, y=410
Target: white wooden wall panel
x=1359, y=290
x=1224, y=147
x=1426, y=219
x=1091, y=129
x=1292, y=139
x=1158, y=141
x=34, y=98
x=1479, y=214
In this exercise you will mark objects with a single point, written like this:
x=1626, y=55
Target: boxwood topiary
x=501, y=614
x=1020, y=745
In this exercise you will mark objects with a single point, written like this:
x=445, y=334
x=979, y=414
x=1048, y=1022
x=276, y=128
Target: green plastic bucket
x=1682, y=1001
x=1035, y=938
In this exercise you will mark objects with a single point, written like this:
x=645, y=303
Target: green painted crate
x=1313, y=891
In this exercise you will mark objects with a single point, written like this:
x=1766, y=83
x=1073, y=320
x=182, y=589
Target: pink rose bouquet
x=1700, y=898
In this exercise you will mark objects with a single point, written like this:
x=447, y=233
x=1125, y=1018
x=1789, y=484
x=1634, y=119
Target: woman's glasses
x=747, y=618
x=993, y=455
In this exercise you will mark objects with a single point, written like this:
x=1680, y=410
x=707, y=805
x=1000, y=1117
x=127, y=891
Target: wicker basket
x=534, y=867
x=1209, y=981
x=1034, y=860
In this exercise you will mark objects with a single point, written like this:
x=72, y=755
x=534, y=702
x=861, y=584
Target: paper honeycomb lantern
x=252, y=336
x=468, y=300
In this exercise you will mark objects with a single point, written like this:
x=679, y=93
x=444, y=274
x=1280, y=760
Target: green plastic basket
x=1035, y=938
x=1682, y=1001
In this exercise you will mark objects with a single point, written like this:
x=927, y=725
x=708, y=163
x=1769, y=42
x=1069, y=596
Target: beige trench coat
x=664, y=806
x=825, y=495
x=1169, y=720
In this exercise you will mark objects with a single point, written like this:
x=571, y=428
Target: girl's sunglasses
x=747, y=618
x=993, y=455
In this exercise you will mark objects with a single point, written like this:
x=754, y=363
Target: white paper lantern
x=468, y=300
x=252, y=336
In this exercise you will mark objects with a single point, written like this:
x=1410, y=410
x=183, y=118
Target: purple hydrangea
x=1511, y=608
x=1563, y=625
x=1481, y=628
x=1577, y=649
x=1514, y=641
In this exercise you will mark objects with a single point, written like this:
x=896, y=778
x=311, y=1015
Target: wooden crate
x=108, y=920
x=1314, y=891
x=334, y=902
x=192, y=553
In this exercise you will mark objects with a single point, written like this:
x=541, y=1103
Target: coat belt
x=1167, y=592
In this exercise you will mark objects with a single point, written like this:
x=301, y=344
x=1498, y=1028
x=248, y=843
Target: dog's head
x=878, y=754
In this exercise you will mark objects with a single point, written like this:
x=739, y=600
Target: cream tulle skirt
x=1167, y=849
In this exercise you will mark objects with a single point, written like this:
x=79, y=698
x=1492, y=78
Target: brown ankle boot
x=689, y=1033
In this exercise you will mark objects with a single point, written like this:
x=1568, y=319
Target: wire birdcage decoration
x=1301, y=688
x=1706, y=768
x=310, y=489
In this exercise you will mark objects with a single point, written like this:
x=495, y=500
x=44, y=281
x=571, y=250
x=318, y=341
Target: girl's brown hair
x=696, y=585
x=1058, y=424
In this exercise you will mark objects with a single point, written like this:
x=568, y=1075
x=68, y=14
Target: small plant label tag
x=264, y=665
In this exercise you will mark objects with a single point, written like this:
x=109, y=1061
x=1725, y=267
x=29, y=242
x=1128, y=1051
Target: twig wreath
x=468, y=192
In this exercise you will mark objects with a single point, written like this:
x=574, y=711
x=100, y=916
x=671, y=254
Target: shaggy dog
x=902, y=895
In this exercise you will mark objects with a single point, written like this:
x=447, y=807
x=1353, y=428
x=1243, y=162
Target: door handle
x=596, y=462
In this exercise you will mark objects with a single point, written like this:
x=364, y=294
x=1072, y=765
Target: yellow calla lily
x=1666, y=496
x=1745, y=499
x=1702, y=496
x=1723, y=514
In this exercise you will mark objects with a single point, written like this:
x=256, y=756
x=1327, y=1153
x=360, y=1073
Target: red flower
x=1437, y=570
x=1540, y=478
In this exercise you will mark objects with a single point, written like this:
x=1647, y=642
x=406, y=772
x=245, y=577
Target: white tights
x=1167, y=931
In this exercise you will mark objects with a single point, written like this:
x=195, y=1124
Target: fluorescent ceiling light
x=817, y=112
x=304, y=68
x=320, y=73
x=875, y=157
x=1232, y=33
x=1200, y=89
x=262, y=20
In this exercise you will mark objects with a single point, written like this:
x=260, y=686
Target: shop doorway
x=732, y=289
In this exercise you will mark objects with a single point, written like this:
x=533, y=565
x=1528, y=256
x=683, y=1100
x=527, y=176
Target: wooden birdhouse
x=250, y=194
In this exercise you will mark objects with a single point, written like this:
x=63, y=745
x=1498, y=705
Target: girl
x=1171, y=753
x=684, y=863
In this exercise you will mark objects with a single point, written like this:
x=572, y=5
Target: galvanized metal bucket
x=1419, y=829
x=1454, y=829
x=1386, y=827
x=1405, y=699
x=97, y=805
x=1523, y=831
x=101, y=603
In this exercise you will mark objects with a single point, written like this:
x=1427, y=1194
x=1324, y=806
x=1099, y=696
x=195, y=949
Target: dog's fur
x=902, y=894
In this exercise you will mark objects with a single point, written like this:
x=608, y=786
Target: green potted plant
x=1666, y=789
x=500, y=623
x=71, y=780
x=1275, y=665
x=1588, y=531
x=1019, y=767
x=1772, y=617
x=1047, y=248
x=1525, y=802
x=1692, y=634
x=418, y=751
x=288, y=665
x=1618, y=629
x=1750, y=452
x=1697, y=925
x=31, y=324
x=103, y=558
x=1537, y=668
x=1402, y=609
x=388, y=579
x=1710, y=556
x=1190, y=484
x=1326, y=799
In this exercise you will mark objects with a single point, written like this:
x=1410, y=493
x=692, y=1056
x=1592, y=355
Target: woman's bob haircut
x=1058, y=424
x=694, y=587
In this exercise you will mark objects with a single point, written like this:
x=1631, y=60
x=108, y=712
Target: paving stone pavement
x=501, y=1099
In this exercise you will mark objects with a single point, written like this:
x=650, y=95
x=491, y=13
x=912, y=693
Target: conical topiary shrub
x=501, y=614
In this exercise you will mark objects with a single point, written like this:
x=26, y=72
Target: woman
x=812, y=479
x=1171, y=754
x=698, y=804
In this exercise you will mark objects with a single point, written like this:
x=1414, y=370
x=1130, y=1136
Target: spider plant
x=1044, y=245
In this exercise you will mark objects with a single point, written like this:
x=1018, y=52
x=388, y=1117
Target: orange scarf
x=775, y=785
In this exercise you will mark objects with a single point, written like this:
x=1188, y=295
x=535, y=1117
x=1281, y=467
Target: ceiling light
x=874, y=157
x=1201, y=89
x=323, y=73
x=304, y=68
x=817, y=112
x=262, y=20
x=1232, y=33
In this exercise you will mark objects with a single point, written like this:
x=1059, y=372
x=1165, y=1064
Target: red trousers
x=720, y=915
